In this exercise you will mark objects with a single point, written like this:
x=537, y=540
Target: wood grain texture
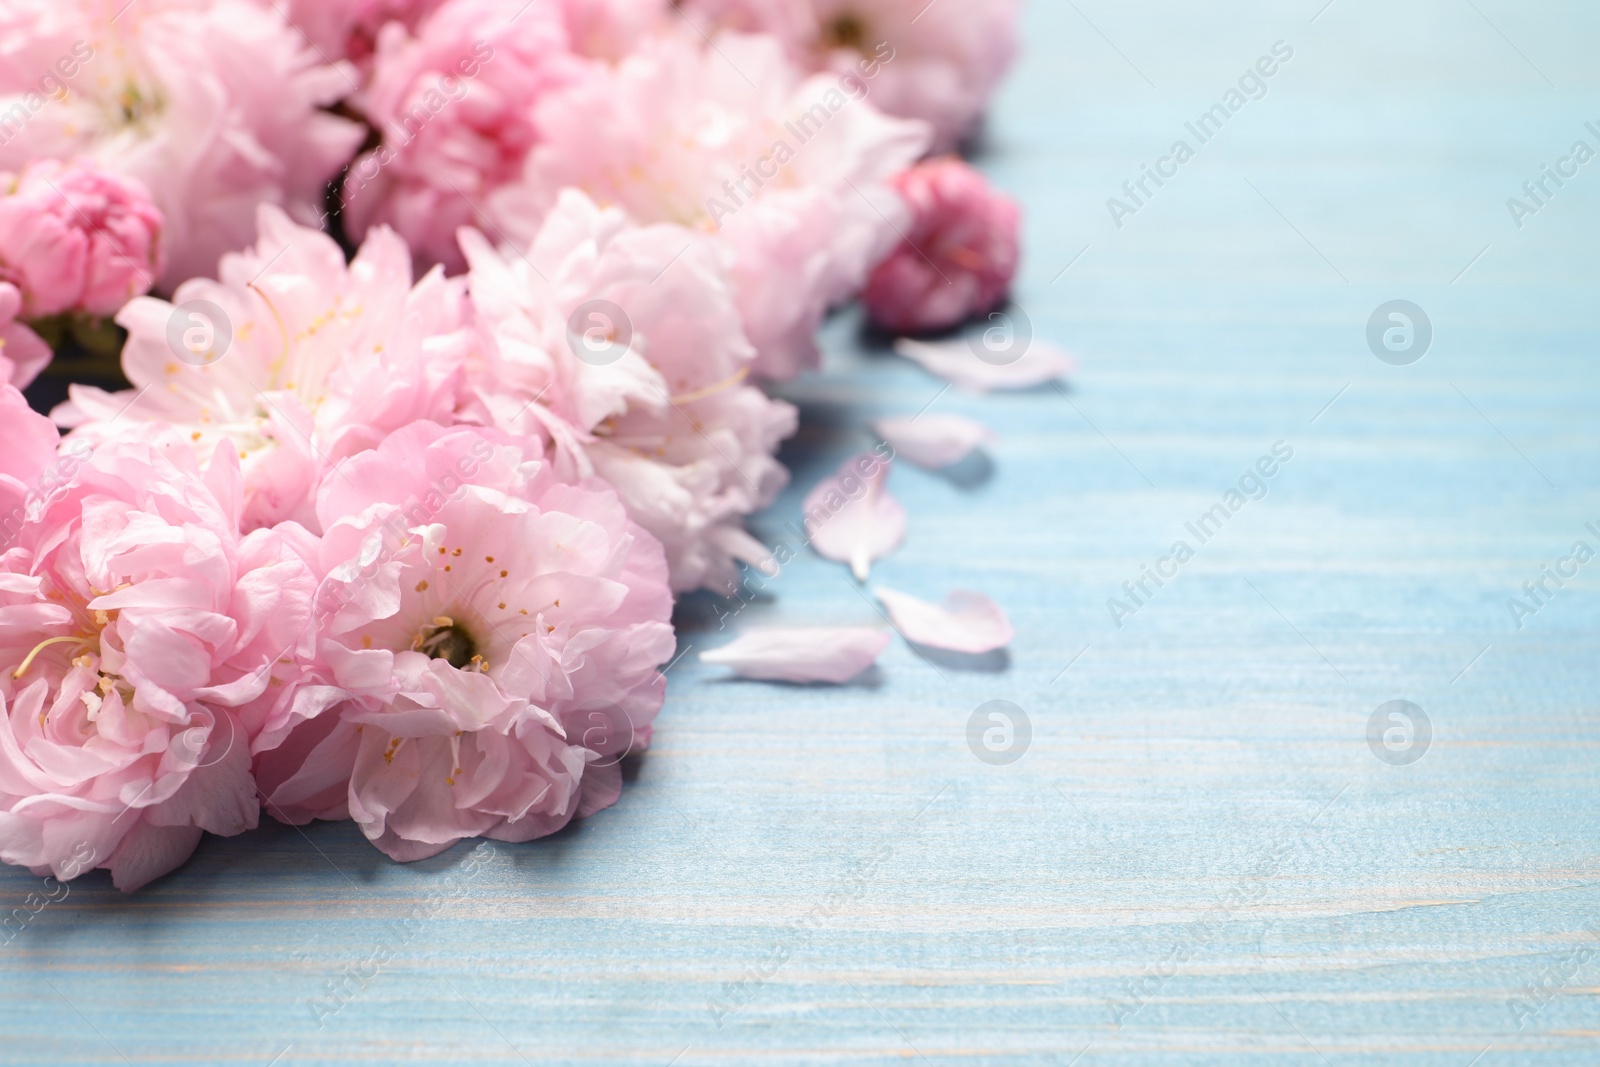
x=1198, y=860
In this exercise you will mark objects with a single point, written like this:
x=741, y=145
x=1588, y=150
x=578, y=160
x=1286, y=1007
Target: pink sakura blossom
x=957, y=257
x=309, y=361
x=489, y=641
x=77, y=237
x=216, y=106
x=610, y=29
x=939, y=61
x=143, y=641
x=622, y=346
x=454, y=103
x=725, y=138
x=23, y=353
x=348, y=29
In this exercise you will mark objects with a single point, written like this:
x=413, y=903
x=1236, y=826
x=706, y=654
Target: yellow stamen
x=712, y=390
x=40, y=647
x=278, y=364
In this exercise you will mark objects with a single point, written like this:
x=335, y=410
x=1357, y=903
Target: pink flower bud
x=959, y=255
x=74, y=237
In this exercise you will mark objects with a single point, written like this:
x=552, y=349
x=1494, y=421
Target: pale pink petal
x=851, y=517
x=23, y=353
x=27, y=441
x=933, y=441
x=148, y=852
x=601, y=788
x=801, y=654
x=965, y=622
x=956, y=361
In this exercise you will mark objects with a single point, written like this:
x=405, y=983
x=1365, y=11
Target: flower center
x=88, y=637
x=445, y=639
x=87, y=646
x=132, y=109
x=845, y=31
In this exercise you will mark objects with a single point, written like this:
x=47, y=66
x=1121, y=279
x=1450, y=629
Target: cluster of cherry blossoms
x=445, y=326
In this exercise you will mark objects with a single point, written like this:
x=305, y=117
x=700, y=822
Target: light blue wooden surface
x=1198, y=860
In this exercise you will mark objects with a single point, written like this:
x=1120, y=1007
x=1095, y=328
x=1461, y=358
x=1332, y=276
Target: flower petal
x=933, y=441
x=851, y=517
x=801, y=654
x=148, y=852
x=957, y=362
x=31, y=441
x=965, y=622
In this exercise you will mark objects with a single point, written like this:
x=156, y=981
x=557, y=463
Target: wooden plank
x=1199, y=860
